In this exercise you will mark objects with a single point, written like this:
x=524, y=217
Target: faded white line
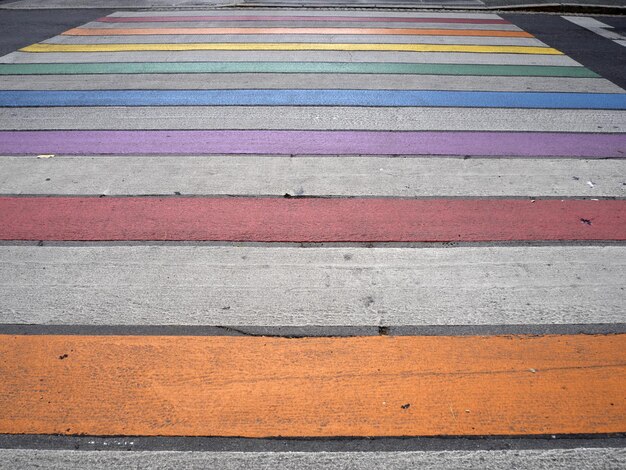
x=597, y=27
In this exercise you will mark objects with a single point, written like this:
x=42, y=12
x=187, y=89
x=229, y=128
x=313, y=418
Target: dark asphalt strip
x=599, y=54
x=347, y=444
x=21, y=28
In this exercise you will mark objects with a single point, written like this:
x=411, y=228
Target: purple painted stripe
x=541, y=144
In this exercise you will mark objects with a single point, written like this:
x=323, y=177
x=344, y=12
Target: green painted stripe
x=294, y=67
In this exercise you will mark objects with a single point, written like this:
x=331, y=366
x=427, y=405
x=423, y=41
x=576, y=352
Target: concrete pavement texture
x=533, y=460
x=399, y=287
x=271, y=237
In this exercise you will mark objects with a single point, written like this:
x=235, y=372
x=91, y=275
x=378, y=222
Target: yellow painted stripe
x=270, y=46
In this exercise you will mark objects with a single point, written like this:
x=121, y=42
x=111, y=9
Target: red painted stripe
x=309, y=220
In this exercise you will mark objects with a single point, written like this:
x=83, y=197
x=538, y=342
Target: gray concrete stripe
x=324, y=286
x=302, y=38
x=313, y=117
x=288, y=24
x=210, y=81
x=309, y=332
x=289, y=56
x=304, y=12
x=312, y=176
x=566, y=459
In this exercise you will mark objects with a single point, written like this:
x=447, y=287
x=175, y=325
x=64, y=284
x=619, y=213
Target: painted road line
x=286, y=23
x=294, y=31
x=309, y=220
x=323, y=286
x=284, y=46
x=300, y=18
x=525, y=459
x=560, y=384
x=320, y=15
x=200, y=81
x=312, y=176
x=466, y=58
x=595, y=26
x=297, y=67
x=284, y=97
x=537, y=144
x=309, y=118
x=308, y=13
x=475, y=40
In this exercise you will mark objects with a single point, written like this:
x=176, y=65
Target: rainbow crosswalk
x=432, y=204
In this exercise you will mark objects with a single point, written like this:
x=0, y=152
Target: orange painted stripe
x=335, y=31
x=262, y=386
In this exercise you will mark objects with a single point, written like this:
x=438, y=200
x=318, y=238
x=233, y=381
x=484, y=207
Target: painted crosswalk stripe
x=295, y=67
x=309, y=13
x=283, y=46
x=310, y=220
x=293, y=31
x=544, y=385
x=540, y=144
x=298, y=18
x=342, y=56
x=203, y=236
x=296, y=38
x=328, y=97
x=286, y=23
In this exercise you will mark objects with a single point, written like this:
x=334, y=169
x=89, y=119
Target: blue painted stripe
x=313, y=98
